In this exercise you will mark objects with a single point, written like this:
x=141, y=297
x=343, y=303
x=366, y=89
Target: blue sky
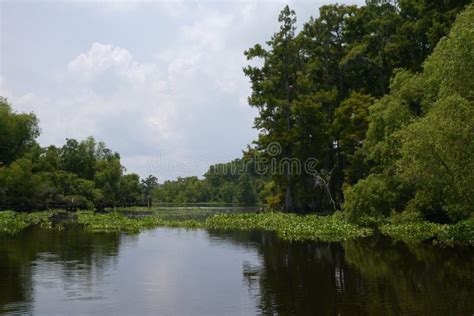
x=160, y=82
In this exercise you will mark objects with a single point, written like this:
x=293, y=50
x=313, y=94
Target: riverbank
x=331, y=228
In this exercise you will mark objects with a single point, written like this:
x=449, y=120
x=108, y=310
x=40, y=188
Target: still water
x=199, y=272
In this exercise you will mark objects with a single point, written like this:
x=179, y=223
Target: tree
x=17, y=187
x=351, y=120
x=246, y=194
x=437, y=157
x=147, y=186
x=227, y=192
x=107, y=179
x=130, y=189
x=275, y=88
x=17, y=132
x=420, y=136
x=437, y=150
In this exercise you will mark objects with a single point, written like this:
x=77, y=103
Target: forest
x=380, y=96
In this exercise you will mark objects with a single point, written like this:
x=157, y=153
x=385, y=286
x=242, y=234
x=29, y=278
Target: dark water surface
x=198, y=272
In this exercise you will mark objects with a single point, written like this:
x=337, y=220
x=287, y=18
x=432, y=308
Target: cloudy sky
x=160, y=82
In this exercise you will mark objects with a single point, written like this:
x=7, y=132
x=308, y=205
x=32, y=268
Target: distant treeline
x=234, y=182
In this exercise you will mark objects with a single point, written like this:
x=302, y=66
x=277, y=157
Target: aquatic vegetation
x=287, y=226
x=116, y=222
x=331, y=228
x=291, y=226
x=13, y=222
x=413, y=232
x=461, y=233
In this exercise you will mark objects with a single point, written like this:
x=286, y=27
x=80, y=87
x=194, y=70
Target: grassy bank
x=287, y=226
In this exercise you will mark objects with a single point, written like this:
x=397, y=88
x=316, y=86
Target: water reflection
x=296, y=278
x=417, y=279
x=29, y=259
x=368, y=276
x=180, y=272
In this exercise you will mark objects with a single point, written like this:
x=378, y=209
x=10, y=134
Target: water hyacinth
x=412, y=232
x=287, y=226
x=115, y=222
x=331, y=228
x=459, y=234
x=291, y=226
x=13, y=222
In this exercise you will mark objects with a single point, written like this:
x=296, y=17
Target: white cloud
x=100, y=58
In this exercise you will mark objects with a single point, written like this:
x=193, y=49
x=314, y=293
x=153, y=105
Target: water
x=199, y=272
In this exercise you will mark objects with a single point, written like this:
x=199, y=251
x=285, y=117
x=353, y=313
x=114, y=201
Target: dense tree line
x=81, y=174
x=381, y=96
x=234, y=182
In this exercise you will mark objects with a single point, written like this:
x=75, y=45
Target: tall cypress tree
x=274, y=91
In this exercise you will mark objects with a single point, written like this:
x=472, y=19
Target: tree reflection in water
x=369, y=276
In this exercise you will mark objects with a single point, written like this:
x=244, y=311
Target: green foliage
x=275, y=91
x=314, y=90
x=350, y=126
x=147, y=186
x=351, y=121
x=287, y=226
x=290, y=226
x=449, y=69
x=410, y=228
x=419, y=140
x=107, y=179
x=130, y=190
x=461, y=233
x=437, y=157
x=412, y=232
x=12, y=222
x=79, y=175
x=182, y=190
x=246, y=194
x=115, y=222
x=407, y=226
x=17, y=132
x=271, y=195
x=235, y=182
x=390, y=114
x=374, y=196
x=16, y=182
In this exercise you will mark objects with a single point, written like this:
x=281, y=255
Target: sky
x=160, y=82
